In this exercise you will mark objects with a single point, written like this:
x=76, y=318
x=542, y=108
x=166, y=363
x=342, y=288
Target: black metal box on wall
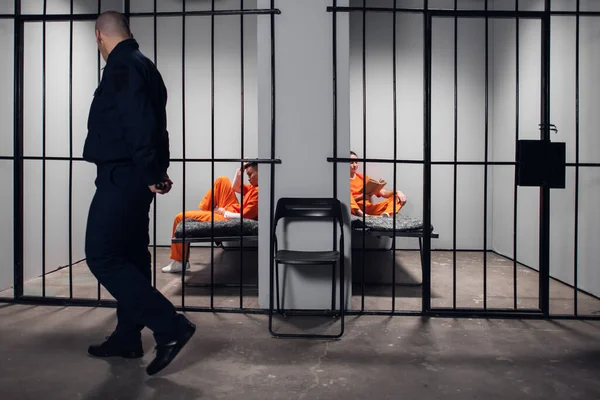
x=541, y=163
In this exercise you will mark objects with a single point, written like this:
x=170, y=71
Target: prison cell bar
x=485, y=168
x=455, y=191
x=395, y=131
x=212, y=149
x=71, y=153
x=335, y=143
x=18, y=153
x=577, y=127
x=364, y=110
x=272, y=192
x=155, y=202
x=515, y=186
x=544, y=228
x=99, y=293
x=185, y=251
x=242, y=114
x=426, y=254
x=44, y=6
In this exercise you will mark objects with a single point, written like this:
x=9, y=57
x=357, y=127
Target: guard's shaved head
x=111, y=28
x=113, y=24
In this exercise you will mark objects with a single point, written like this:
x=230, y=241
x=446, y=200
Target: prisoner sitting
x=227, y=206
x=360, y=204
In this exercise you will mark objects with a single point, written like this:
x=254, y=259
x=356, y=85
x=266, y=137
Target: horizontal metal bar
x=464, y=13
x=486, y=311
x=584, y=165
x=440, y=313
x=229, y=160
x=75, y=302
x=50, y=158
x=7, y=16
x=375, y=9
x=404, y=161
x=93, y=17
x=198, y=160
x=208, y=239
x=260, y=11
x=7, y=158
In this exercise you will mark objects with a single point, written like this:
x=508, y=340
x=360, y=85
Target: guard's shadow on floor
x=227, y=268
x=377, y=268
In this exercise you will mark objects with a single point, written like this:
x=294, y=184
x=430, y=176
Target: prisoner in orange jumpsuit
x=358, y=206
x=226, y=205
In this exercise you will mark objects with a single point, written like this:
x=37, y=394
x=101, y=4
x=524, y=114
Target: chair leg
x=421, y=253
x=333, y=265
x=277, y=286
x=342, y=284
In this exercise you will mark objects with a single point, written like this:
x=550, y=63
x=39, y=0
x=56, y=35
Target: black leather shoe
x=111, y=348
x=167, y=353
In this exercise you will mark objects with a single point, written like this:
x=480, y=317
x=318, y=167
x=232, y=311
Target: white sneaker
x=175, y=266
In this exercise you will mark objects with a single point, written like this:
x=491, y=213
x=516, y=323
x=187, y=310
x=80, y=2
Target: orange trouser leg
x=198, y=215
x=224, y=195
x=386, y=206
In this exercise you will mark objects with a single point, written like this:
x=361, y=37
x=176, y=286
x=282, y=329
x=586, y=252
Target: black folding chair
x=308, y=209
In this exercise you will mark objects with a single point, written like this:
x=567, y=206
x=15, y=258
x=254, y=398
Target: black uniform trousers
x=116, y=246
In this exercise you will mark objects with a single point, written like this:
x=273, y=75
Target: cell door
x=486, y=120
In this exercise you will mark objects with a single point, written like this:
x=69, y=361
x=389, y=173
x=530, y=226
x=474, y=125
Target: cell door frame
x=544, y=208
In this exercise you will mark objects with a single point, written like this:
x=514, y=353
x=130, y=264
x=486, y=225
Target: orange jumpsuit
x=386, y=206
x=225, y=198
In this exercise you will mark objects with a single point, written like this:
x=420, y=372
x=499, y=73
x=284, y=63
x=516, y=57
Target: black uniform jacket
x=127, y=121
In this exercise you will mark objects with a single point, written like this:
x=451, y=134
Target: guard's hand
x=165, y=186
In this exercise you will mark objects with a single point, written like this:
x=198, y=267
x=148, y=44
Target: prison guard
x=127, y=121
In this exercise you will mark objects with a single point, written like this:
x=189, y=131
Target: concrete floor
x=378, y=276
x=232, y=356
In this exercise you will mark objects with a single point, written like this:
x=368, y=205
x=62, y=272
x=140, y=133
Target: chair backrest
x=309, y=208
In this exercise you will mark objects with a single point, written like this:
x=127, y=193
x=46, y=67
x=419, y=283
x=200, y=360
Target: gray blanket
x=230, y=227
x=404, y=223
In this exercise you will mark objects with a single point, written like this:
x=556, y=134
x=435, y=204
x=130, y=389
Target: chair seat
x=307, y=257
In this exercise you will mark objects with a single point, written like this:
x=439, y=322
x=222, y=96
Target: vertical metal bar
x=212, y=149
x=455, y=194
x=242, y=155
x=395, y=166
x=155, y=212
x=18, y=153
x=364, y=88
x=44, y=150
x=576, y=236
x=71, y=152
x=185, y=252
x=516, y=188
x=98, y=55
x=335, y=132
x=426, y=299
x=485, y=173
x=272, y=189
x=544, y=249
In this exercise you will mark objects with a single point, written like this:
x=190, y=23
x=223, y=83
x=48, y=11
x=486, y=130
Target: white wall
x=304, y=125
x=227, y=122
